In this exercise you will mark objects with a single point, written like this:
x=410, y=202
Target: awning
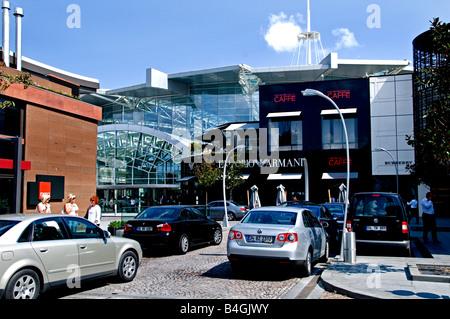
x=242, y=126
x=339, y=175
x=335, y=112
x=284, y=176
x=284, y=114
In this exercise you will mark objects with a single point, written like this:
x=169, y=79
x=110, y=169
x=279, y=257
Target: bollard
x=350, y=248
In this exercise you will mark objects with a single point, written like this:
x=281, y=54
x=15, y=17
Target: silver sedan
x=280, y=235
x=42, y=251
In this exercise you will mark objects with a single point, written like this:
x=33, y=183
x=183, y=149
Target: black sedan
x=174, y=227
x=323, y=214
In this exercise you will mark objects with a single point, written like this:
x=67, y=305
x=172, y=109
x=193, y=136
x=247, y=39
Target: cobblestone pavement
x=203, y=273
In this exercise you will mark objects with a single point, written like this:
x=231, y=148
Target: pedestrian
x=94, y=211
x=70, y=208
x=414, y=211
x=429, y=218
x=44, y=207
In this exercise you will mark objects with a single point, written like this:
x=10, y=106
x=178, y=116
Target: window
x=290, y=134
x=333, y=136
x=47, y=229
x=310, y=220
x=82, y=228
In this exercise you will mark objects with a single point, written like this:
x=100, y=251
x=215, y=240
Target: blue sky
x=116, y=41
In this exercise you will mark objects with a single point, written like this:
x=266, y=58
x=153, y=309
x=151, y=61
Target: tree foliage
x=5, y=82
x=433, y=142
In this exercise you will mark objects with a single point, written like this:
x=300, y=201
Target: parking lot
x=203, y=273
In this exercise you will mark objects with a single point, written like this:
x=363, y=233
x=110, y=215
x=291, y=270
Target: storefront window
x=290, y=134
x=333, y=136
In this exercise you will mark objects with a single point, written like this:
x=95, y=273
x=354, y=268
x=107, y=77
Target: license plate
x=259, y=239
x=376, y=228
x=144, y=228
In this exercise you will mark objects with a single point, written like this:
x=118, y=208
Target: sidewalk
x=397, y=277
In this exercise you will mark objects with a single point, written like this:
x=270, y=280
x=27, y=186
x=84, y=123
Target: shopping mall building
x=146, y=132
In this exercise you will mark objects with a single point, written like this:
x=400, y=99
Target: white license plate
x=376, y=228
x=144, y=228
x=259, y=239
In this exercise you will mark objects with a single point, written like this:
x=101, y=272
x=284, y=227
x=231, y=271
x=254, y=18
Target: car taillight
x=164, y=227
x=289, y=237
x=127, y=227
x=243, y=208
x=404, y=227
x=234, y=235
x=349, y=225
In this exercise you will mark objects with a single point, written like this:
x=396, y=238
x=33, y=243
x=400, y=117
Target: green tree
x=433, y=142
x=207, y=175
x=234, y=176
x=5, y=82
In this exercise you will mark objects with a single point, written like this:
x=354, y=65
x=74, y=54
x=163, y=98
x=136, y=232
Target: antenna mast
x=305, y=38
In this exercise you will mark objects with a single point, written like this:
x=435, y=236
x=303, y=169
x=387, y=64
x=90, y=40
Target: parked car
x=281, y=235
x=173, y=227
x=337, y=210
x=379, y=219
x=323, y=214
x=39, y=252
x=234, y=210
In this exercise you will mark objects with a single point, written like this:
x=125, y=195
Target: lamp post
x=225, y=216
x=311, y=92
x=395, y=162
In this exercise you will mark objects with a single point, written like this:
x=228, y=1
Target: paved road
x=203, y=273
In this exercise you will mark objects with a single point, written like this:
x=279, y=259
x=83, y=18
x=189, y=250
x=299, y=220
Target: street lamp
x=311, y=92
x=395, y=162
x=225, y=216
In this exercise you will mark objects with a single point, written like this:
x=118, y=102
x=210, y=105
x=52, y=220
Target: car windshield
x=6, y=225
x=270, y=217
x=379, y=206
x=159, y=213
x=335, y=210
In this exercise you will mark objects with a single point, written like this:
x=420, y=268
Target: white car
x=38, y=252
x=280, y=235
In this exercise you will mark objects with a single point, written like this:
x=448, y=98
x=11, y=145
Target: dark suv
x=379, y=219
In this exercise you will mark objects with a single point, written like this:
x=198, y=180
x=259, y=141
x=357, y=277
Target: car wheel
x=217, y=237
x=325, y=256
x=128, y=266
x=25, y=284
x=230, y=216
x=183, y=244
x=306, y=269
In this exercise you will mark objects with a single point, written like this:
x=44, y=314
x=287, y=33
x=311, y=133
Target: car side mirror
x=325, y=224
x=106, y=234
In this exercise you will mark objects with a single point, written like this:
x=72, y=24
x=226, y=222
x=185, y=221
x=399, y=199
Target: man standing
x=429, y=219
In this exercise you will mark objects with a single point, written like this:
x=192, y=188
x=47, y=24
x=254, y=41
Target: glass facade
x=141, y=140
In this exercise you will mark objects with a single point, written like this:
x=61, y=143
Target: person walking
x=413, y=209
x=429, y=218
x=94, y=211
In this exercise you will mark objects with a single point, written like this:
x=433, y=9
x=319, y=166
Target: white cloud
x=283, y=31
x=346, y=39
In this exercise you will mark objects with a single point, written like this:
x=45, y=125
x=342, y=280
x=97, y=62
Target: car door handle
x=43, y=250
x=83, y=246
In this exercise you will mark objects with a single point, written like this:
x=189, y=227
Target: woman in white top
x=94, y=211
x=43, y=207
x=70, y=208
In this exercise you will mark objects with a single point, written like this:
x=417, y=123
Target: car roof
x=23, y=217
x=295, y=209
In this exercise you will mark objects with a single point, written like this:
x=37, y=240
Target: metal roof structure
x=159, y=84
